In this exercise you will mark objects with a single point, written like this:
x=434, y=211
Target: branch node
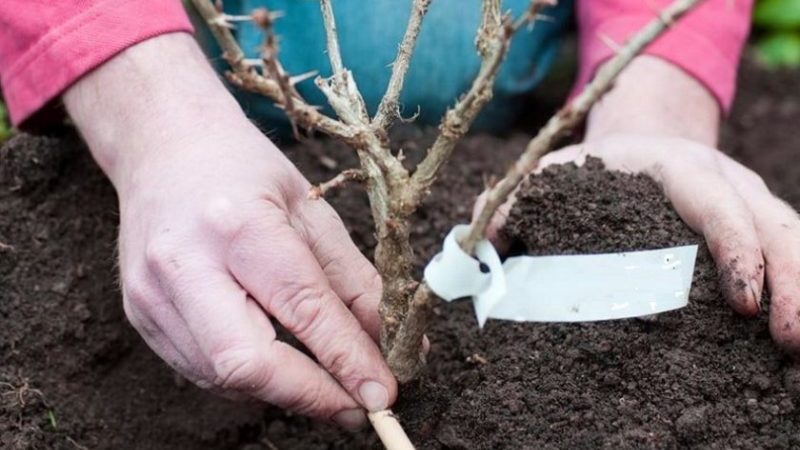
x=349, y=175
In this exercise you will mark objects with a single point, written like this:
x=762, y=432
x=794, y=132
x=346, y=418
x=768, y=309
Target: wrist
x=653, y=97
x=158, y=92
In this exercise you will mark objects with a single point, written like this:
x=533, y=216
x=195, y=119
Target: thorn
x=293, y=80
x=220, y=21
x=667, y=20
x=610, y=43
x=237, y=18
x=265, y=18
x=328, y=162
x=315, y=193
x=253, y=62
x=410, y=119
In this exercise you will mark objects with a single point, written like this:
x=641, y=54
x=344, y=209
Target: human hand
x=751, y=234
x=218, y=237
x=660, y=122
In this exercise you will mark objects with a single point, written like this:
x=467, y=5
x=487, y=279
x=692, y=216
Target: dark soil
x=74, y=374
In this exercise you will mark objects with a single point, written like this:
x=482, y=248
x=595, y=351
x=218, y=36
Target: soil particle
x=791, y=381
x=692, y=422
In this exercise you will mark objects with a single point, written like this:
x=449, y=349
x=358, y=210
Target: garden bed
x=74, y=374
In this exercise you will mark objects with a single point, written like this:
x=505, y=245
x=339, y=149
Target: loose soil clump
x=74, y=374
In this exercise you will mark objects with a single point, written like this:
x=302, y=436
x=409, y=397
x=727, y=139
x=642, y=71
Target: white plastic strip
x=571, y=288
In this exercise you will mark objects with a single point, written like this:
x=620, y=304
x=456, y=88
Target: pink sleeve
x=46, y=45
x=706, y=43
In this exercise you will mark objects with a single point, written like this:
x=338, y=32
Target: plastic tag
x=569, y=288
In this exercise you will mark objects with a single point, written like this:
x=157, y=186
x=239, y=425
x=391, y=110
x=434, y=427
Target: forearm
x=155, y=93
x=654, y=97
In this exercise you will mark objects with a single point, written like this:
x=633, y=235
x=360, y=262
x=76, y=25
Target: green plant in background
x=778, y=26
x=5, y=127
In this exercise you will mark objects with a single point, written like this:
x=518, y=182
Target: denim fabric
x=442, y=67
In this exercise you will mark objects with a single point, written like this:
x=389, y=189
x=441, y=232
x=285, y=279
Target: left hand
x=751, y=234
x=660, y=121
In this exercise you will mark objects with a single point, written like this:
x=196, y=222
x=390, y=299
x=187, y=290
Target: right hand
x=217, y=237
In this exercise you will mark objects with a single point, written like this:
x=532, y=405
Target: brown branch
x=389, y=108
x=404, y=358
x=492, y=42
x=269, y=54
x=244, y=76
x=332, y=38
x=570, y=117
x=317, y=192
x=344, y=97
x=340, y=88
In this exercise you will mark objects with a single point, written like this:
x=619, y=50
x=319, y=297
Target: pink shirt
x=46, y=45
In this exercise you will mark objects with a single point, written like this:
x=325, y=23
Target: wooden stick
x=389, y=430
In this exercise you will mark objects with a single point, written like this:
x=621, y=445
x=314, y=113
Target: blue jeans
x=442, y=68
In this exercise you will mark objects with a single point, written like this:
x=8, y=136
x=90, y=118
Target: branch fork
x=394, y=193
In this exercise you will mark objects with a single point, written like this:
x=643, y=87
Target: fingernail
x=374, y=396
x=351, y=419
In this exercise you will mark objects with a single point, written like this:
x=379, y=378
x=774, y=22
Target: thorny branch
x=493, y=41
x=245, y=76
x=338, y=181
x=393, y=193
x=389, y=108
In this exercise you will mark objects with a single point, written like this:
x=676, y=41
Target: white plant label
x=569, y=288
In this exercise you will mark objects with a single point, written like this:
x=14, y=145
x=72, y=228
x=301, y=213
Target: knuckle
x=299, y=310
x=349, y=358
x=137, y=294
x=141, y=322
x=161, y=255
x=308, y=401
x=241, y=369
x=221, y=218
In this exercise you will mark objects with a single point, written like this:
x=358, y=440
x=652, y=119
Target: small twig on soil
x=390, y=431
x=6, y=247
x=336, y=182
x=570, y=116
x=267, y=443
x=21, y=392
